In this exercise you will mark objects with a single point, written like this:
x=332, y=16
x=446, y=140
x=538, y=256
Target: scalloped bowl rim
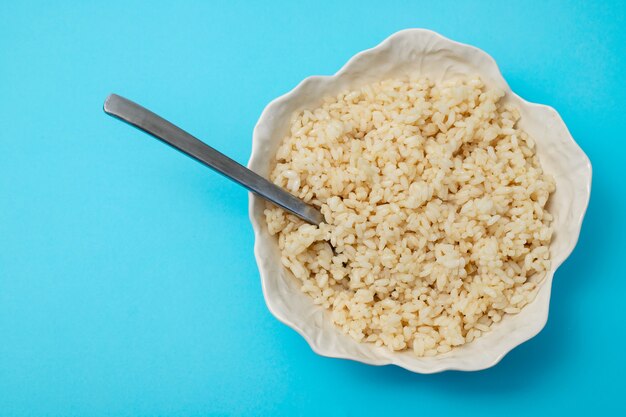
x=432, y=366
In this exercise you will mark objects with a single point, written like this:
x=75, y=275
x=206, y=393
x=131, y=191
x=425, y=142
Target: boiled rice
x=435, y=207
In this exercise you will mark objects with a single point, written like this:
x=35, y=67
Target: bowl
x=438, y=58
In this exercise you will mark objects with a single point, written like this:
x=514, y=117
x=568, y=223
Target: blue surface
x=128, y=285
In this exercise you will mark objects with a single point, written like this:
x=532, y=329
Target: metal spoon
x=174, y=136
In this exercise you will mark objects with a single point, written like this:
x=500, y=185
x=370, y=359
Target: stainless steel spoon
x=174, y=136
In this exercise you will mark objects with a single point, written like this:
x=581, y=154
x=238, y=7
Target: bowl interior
x=437, y=58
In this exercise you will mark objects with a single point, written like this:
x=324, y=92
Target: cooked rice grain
x=434, y=203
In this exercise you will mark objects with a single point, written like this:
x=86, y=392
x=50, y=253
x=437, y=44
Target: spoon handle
x=174, y=136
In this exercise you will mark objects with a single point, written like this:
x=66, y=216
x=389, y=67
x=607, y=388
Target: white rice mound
x=435, y=205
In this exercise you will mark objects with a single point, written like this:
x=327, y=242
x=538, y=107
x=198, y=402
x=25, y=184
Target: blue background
x=128, y=285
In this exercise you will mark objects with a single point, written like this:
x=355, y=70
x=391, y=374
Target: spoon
x=142, y=118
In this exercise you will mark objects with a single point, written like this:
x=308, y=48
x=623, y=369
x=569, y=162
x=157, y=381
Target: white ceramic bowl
x=438, y=58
